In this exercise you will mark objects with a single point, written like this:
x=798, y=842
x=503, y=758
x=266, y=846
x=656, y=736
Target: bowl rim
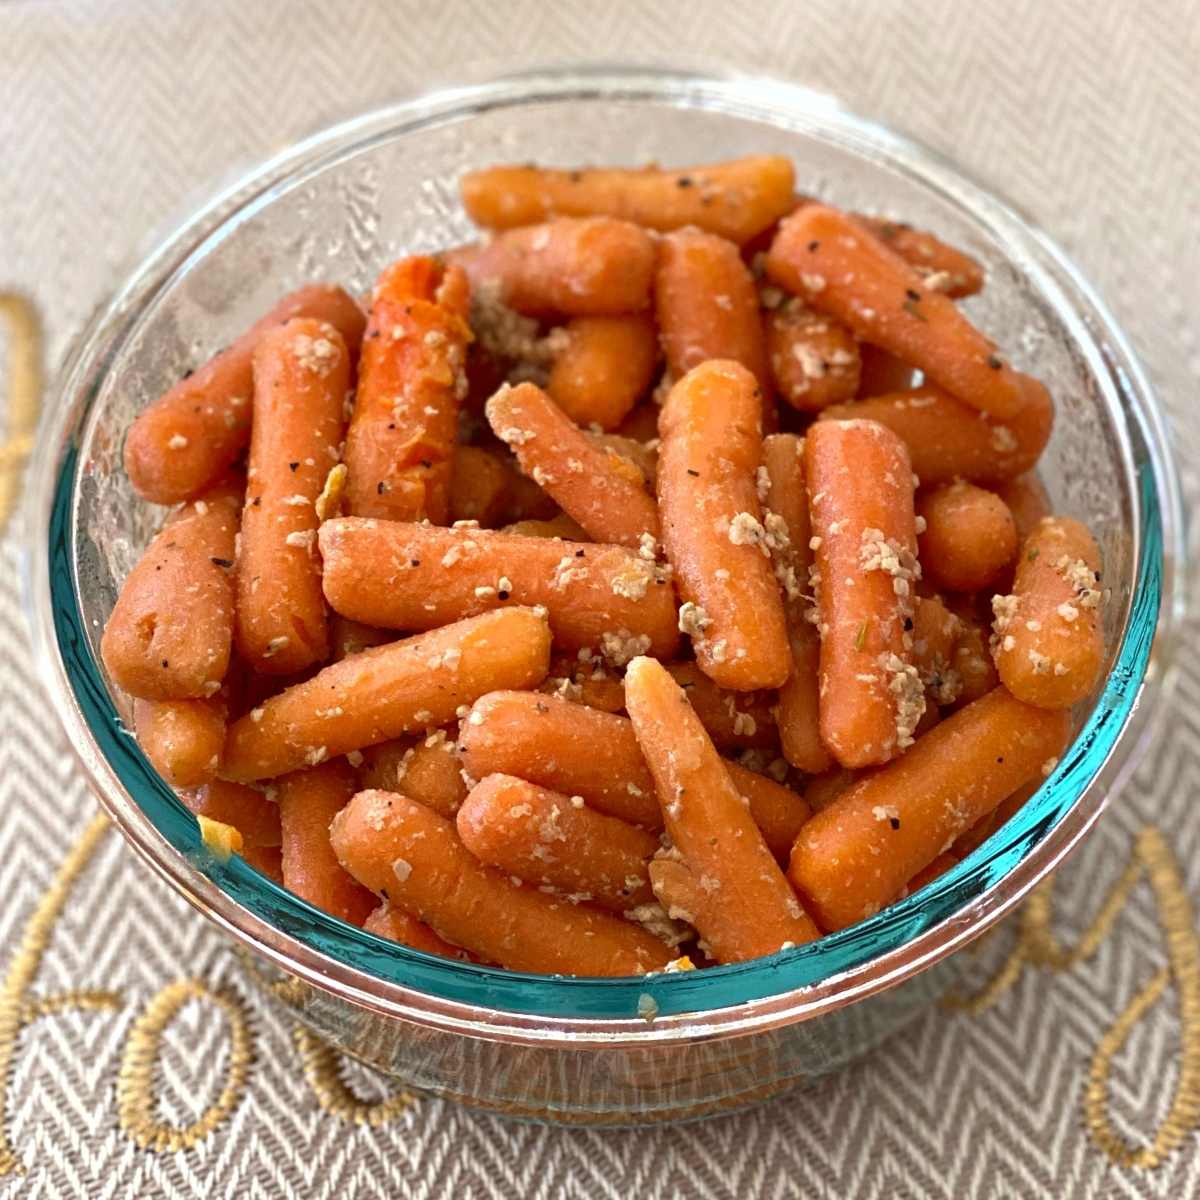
x=867, y=958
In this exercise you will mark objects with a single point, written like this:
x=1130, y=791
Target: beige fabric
x=115, y=118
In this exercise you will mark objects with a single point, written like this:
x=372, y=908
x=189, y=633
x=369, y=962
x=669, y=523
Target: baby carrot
x=713, y=528
x=170, y=633
x=707, y=305
x=348, y=637
x=856, y=855
x=935, y=635
x=254, y=816
x=972, y=661
x=585, y=680
x=642, y=424
x=1027, y=501
x=860, y=487
x=189, y=437
x=400, y=444
x=409, y=685
x=814, y=360
x=428, y=770
x=182, y=739
x=397, y=926
x=603, y=368
x=822, y=790
x=301, y=374
x=710, y=826
x=409, y=855
x=939, y=866
x=571, y=267
x=419, y=577
x=266, y=859
x=602, y=490
x=941, y=267
x=308, y=802
x=478, y=487
x=969, y=539
x=734, y=720
x=736, y=199
x=1049, y=645
x=561, y=527
x=642, y=456
x=996, y=819
x=881, y=373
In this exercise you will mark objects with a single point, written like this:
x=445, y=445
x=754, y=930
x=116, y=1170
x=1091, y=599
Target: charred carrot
x=183, y=739
x=254, y=816
x=941, y=267
x=969, y=539
x=428, y=770
x=604, y=367
x=814, y=360
x=397, y=926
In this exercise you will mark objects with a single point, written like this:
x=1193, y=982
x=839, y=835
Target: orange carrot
x=397, y=926
x=941, y=267
x=603, y=368
x=935, y=633
x=254, y=816
x=266, y=859
x=642, y=424
x=881, y=373
x=972, y=661
x=939, y=866
x=734, y=720
x=584, y=679
x=969, y=539
x=348, y=637
x=822, y=790
x=429, y=770
x=182, y=739
x=996, y=819
x=640, y=455
x=1027, y=501
x=814, y=360
x=478, y=487
x=561, y=527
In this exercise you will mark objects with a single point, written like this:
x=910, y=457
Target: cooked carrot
x=603, y=491
x=428, y=770
x=881, y=373
x=935, y=634
x=822, y=790
x=478, y=487
x=348, y=637
x=1049, y=645
x=411, y=379
x=571, y=267
x=941, y=267
x=856, y=855
x=585, y=679
x=409, y=685
x=735, y=199
x=308, y=802
x=266, y=859
x=825, y=257
x=734, y=720
x=642, y=456
x=969, y=539
x=397, y=926
x=556, y=841
x=188, y=438
x=301, y=375
x=576, y=750
x=1027, y=501
x=561, y=527
x=525, y=499
x=183, y=739
x=972, y=660
x=948, y=440
x=710, y=826
x=604, y=367
x=814, y=360
x=939, y=866
x=860, y=487
x=409, y=855
x=170, y=633
x=642, y=424
x=996, y=819
x=250, y=812
x=419, y=577
x=713, y=529
x=707, y=305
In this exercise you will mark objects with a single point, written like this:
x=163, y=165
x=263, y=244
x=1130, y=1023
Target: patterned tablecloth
x=132, y=1062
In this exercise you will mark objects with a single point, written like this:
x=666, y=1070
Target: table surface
x=1076, y=1074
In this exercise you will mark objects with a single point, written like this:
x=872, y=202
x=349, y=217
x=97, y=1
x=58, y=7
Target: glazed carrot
x=735, y=199
x=799, y=702
x=478, y=487
x=814, y=360
x=397, y=926
x=1027, y=501
x=409, y=685
x=855, y=856
x=170, y=633
x=939, y=866
x=947, y=440
x=1049, y=645
x=308, y=802
x=585, y=680
x=969, y=539
x=525, y=499
x=603, y=368
x=254, y=816
x=419, y=577
x=183, y=739
x=301, y=375
x=642, y=424
x=400, y=444
x=575, y=750
x=642, y=456
x=713, y=529
x=188, y=438
x=860, y=488
x=710, y=826
x=935, y=634
x=266, y=859
x=603, y=491
x=734, y=720
x=822, y=790
x=409, y=855
x=561, y=526
x=429, y=770
x=881, y=373
x=996, y=819
x=972, y=661
x=941, y=267
x=552, y=840
x=825, y=257
x=707, y=305
x=571, y=267
x=348, y=637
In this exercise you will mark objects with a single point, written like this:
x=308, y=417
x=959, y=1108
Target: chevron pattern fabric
x=116, y=118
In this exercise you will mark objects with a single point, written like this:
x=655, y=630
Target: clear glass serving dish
x=339, y=206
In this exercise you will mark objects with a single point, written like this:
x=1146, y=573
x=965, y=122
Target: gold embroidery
x=24, y=397
x=322, y=1068
x=87, y=999
x=136, y=1098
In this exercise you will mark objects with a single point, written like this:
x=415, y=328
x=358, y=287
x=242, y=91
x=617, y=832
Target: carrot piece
x=707, y=305
x=642, y=424
x=822, y=790
x=571, y=267
x=935, y=634
x=825, y=257
x=348, y=637
x=713, y=528
x=170, y=633
x=881, y=373
x=419, y=577
x=814, y=360
x=969, y=539
x=860, y=487
x=604, y=366
x=584, y=680
x=411, y=379
x=799, y=701
x=429, y=770
x=640, y=455
x=736, y=198
x=301, y=374
x=939, y=866
x=734, y=720
x=602, y=490
x=948, y=440
x=254, y=816
x=188, y=438
x=308, y=802
x=406, y=853
x=996, y=819
x=710, y=826
x=576, y=750
x=266, y=859
x=856, y=855
x=397, y=926
x=1027, y=501
x=562, y=527
x=972, y=661
x=1049, y=645
x=478, y=487
x=387, y=691
x=941, y=267
x=183, y=739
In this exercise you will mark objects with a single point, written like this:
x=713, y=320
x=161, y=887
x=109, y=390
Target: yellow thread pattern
x=24, y=374
x=321, y=1064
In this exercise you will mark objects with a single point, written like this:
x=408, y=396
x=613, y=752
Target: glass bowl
x=339, y=206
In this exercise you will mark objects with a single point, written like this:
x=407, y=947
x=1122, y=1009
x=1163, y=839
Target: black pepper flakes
x=292, y=466
x=814, y=246
x=894, y=822
x=380, y=488
x=995, y=362
x=221, y=562
x=684, y=181
x=503, y=594
x=912, y=293
x=580, y=553
x=695, y=473
x=910, y=307
x=416, y=562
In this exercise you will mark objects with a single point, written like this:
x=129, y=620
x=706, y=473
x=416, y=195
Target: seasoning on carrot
x=941, y=267
x=734, y=720
x=603, y=367
x=428, y=769
x=969, y=539
x=935, y=633
x=972, y=661
x=814, y=360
